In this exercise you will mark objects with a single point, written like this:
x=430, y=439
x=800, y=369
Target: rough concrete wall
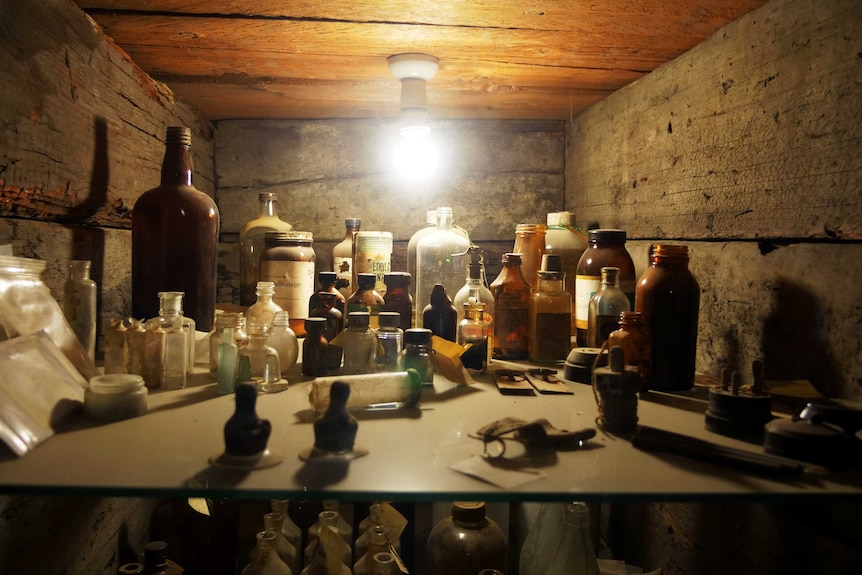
x=747, y=149
x=494, y=174
x=753, y=136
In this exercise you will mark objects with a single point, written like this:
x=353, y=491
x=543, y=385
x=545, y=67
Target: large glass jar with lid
x=668, y=296
x=606, y=247
x=288, y=261
x=466, y=543
x=251, y=242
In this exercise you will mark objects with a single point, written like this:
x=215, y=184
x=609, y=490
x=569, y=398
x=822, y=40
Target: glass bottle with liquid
x=251, y=244
x=440, y=316
x=175, y=231
x=366, y=299
x=342, y=258
x=607, y=248
x=565, y=239
x=326, y=283
x=512, y=300
x=472, y=331
x=530, y=243
x=79, y=304
x=476, y=287
x=550, y=333
x=418, y=353
x=314, y=348
x=637, y=349
x=437, y=262
x=605, y=308
x=390, y=342
x=397, y=298
x=326, y=309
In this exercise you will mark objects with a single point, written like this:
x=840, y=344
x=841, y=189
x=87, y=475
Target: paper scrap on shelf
x=497, y=471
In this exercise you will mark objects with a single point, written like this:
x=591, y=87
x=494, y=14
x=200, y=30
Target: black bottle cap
x=327, y=277
x=607, y=235
x=417, y=336
x=389, y=319
x=366, y=281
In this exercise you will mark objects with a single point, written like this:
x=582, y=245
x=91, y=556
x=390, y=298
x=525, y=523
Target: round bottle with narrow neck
x=530, y=243
x=550, y=314
x=263, y=360
x=376, y=541
x=326, y=309
x=175, y=238
x=342, y=257
x=79, y=304
x=251, y=242
x=359, y=343
x=266, y=560
x=397, y=298
x=512, y=299
x=289, y=529
x=668, y=295
x=605, y=308
x=436, y=262
x=565, y=239
x=319, y=555
x=366, y=299
x=263, y=310
x=285, y=550
x=476, y=289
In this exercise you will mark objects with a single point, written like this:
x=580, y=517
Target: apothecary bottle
x=116, y=347
x=285, y=550
x=565, y=239
x=372, y=253
x=282, y=339
x=605, y=308
x=668, y=296
x=475, y=288
x=79, y=304
x=472, y=331
x=512, y=299
x=365, y=299
x=530, y=243
x=264, y=308
x=466, y=543
x=326, y=283
x=374, y=519
x=377, y=542
x=390, y=342
x=397, y=298
x=436, y=262
x=171, y=312
x=342, y=257
x=266, y=561
x=175, y=239
x=227, y=356
x=314, y=348
x=359, y=343
x=156, y=560
x=637, y=349
x=550, y=334
x=288, y=261
x=606, y=248
x=263, y=360
x=430, y=227
x=319, y=556
x=418, y=353
x=236, y=322
x=440, y=316
x=326, y=309
x=251, y=241
x=289, y=529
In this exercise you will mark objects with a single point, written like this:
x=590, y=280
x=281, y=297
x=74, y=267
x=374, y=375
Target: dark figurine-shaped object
x=245, y=434
x=335, y=431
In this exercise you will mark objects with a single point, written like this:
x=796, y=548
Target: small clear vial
x=359, y=343
x=390, y=342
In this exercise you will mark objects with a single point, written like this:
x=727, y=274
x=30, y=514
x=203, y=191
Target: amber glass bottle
x=175, y=239
x=326, y=283
x=550, y=330
x=635, y=342
x=668, y=296
x=607, y=248
x=365, y=298
x=314, y=347
x=398, y=298
x=530, y=243
x=512, y=300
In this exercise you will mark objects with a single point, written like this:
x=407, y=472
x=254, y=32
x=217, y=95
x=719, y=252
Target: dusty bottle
x=365, y=299
x=377, y=542
x=563, y=238
x=330, y=519
x=390, y=342
x=251, y=242
x=476, y=288
x=430, y=227
x=152, y=356
x=326, y=309
x=236, y=322
x=359, y=343
x=226, y=362
x=288, y=261
x=326, y=283
x=550, y=314
x=342, y=257
x=372, y=253
x=376, y=518
x=135, y=335
x=668, y=295
x=436, y=262
x=264, y=308
x=606, y=248
x=472, y=331
x=116, y=350
x=283, y=547
x=79, y=304
x=398, y=298
x=466, y=542
x=175, y=239
x=170, y=313
x=605, y=308
x=418, y=353
x=282, y=339
x=530, y=243
x=314, y=347
x=634, y=341
x=440, y=316
x=289, y=529
x=559, y=543
x=512, y=299
x=263, y=360
x=266, y=560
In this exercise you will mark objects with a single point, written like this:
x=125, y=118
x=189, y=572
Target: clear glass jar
x=265, y=369
x=530, y=243
x=251, y=242
x=607, y=248
x=79, y=304
x=359, y=344
x=435, y=263
x=233, y=320
x=605, y=308
x=550, y=337
x=283, y=341
x=264, y=308
x=398, y=298
x=171, y=311
x=512, y=298
x=668, y=295
x=390, y=342
x=342, y=258
x=288, y=261
x=115, y=396
x=418, y=353
x=466, y=542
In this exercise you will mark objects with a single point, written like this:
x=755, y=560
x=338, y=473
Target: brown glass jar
x=326, y=309
x=530, y=243
x=288, y=262
x=466, y=542
x=668, y=296
x=398, y=298
x=635, y=342
x=512, y=300
x=607, y=248
x=314, y=347
x=326, y=283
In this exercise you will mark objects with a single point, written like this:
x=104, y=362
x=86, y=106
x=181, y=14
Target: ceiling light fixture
x=413, y=71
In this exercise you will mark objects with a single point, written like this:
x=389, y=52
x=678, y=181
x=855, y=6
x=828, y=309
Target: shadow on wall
x=794, y=343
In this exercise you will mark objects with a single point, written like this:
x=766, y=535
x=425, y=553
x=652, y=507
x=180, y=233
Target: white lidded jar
x=115, y=396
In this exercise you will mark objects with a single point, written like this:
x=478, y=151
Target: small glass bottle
x=476, y=287
x=440, y=316
x=398, y=298
x=418, y=353
x=512, y=299
x=79, y=304
x=326, y=309
x=637, y=349
x=342, y=257
x=176, y=358
x=283, y=341
x=530, y=243
x=668, y=295
x=264, y=308
x=384, y=564
x=135, y=335
x=550, y=314
x=466, y=542
x=359, y=344
x=288, y=261
x=314, y=348
x=267, y=561
x=326, y=281
x=437, y=262
x=365, y=299
x=226, y=362
x=565, y=239
x=339, y=546
x=170, y=312
x=152, y=356
x=283, y=548
x=116, y=349
x=605, y=308
x=251, y=242
x=233, y=320
x=289, y=529
x=606, y=248
x=376, y=541
x=472, y=331
x=390, y=342
x=574, y=555
x=175, y=230
x=263, y=360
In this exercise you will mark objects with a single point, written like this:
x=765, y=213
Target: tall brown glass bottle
x=512, y=300
x=175, y=239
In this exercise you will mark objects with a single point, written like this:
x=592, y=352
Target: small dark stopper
x=335, y=431
x=245, y=433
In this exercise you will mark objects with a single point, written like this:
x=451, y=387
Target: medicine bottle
x=365, y=299
x=398, y=298
x=530, y=243
x=390, y=342
x=605, y=308
x=314, y=348
x=418, y=353
x=550, y=336
x=566, y=240
x=288, y=262
x=326, y=283
x=637, y=349
x=342, y=258
x=251, y=244
x=466, y=542
x=440, y=316
x=512, y=300
x=359, y=343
